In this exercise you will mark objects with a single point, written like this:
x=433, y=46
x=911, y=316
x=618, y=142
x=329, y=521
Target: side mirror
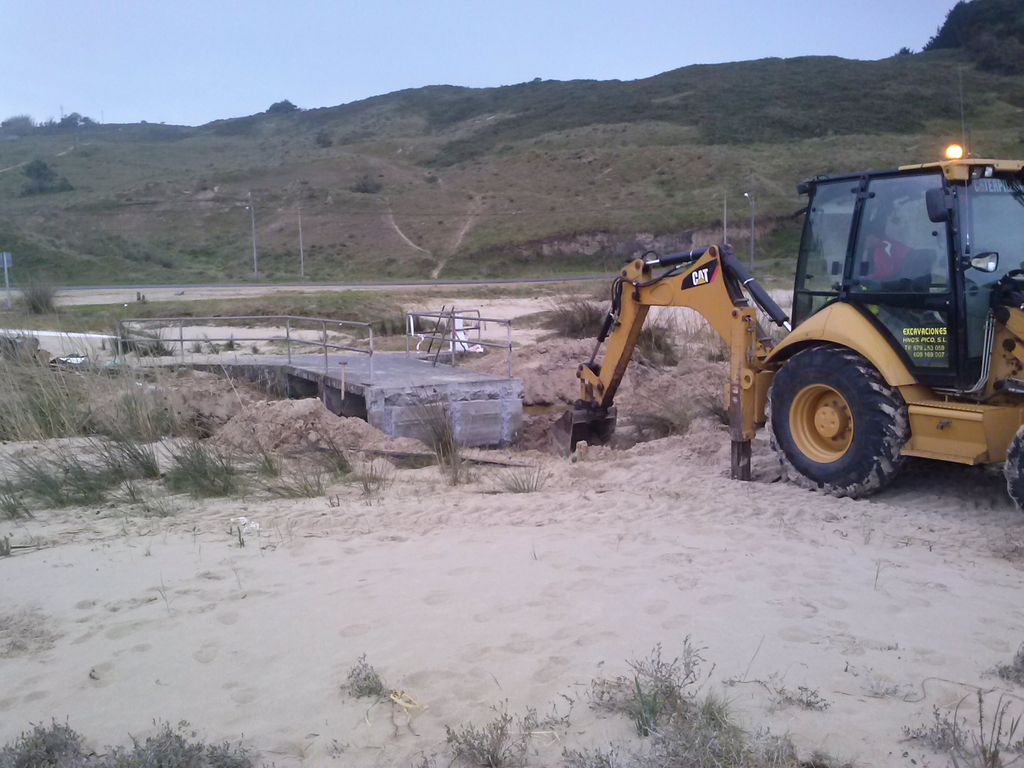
x=938, y=208
x=986, y=262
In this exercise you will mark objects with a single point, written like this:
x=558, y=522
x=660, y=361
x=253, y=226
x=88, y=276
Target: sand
x=471, y=597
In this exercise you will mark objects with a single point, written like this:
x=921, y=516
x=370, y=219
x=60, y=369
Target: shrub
x=52, y=746
x=39, y=297
x=364, y=681
x=984, y=748
x=174, y=748
x=497, y=743
x=323, y=138
x=366, y=185
x=282, y=107
x=58, y=746
x=1014, y=671
x=42, y=179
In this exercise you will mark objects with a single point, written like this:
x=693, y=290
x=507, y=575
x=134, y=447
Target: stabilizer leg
x=740, y=460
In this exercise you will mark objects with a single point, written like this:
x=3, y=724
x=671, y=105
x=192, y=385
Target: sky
x=192, y=61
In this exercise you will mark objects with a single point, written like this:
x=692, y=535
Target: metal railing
x=292, y=324
x=453, y=329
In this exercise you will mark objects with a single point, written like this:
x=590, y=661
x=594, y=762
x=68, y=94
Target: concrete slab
x=390, y=390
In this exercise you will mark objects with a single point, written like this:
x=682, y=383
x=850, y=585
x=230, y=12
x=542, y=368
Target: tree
x=904, y=51
x=42, y=179
x=20, y=124
x=281, y=108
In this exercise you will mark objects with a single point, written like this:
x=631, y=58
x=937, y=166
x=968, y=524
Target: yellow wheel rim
x=821, y=423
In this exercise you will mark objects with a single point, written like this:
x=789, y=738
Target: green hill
x=538, y=178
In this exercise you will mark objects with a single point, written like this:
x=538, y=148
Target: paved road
x=126, y=294
x=334, y=286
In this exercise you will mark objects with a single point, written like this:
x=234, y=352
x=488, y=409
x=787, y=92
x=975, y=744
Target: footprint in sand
x=6, y=704
x=835, y=603
x=207, y=652
x=228, y=617
x=465, y=570
x=244, y=695
x=123, y=630
x=83, y=605
x=84, y=638
x=796, y=635
x=436, y=598
x=795, y=607
x=554, y=666
x=518, y=644
x=676, y=623
x=655, y=607
x=716, y=599
x=354, y=630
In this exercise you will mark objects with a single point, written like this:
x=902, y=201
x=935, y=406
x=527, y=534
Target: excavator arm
x=710, y=281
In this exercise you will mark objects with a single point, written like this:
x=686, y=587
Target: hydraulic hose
x=760, y=295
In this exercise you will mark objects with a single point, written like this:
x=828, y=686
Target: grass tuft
x=575, y=317
x=202, y=471
x=128, y=460
x=524, y=479
x=436, y=421
x=655, y=343
x=11, y=505
x=374, y=478
x=63, y=478
x=303, y=482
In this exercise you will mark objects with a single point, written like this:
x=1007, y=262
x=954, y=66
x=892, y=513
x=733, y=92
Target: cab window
x=823, y=247
x=899, y=250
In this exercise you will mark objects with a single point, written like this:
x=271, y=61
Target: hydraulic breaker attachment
x=594, y=425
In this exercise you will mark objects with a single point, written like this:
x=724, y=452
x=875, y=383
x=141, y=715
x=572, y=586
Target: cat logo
x=701, y=276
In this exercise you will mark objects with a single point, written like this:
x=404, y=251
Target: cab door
x=899, y=273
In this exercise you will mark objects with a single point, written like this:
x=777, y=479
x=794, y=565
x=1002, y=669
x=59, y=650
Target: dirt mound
x=292, y=426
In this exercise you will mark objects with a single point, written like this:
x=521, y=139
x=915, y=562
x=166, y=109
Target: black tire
x=1013, y=469
x=879, y=423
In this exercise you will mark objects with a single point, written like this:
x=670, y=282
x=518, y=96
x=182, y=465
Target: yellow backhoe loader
x=907, y=336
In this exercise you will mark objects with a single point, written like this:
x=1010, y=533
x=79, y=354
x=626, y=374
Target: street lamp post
x=753, y=223
x=255, y=257
x=302, y=255
x=725, y=218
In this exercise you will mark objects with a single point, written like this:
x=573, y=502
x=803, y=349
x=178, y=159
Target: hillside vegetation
x=540, y=178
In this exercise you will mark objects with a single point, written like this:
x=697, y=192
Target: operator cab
x=922, y=252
